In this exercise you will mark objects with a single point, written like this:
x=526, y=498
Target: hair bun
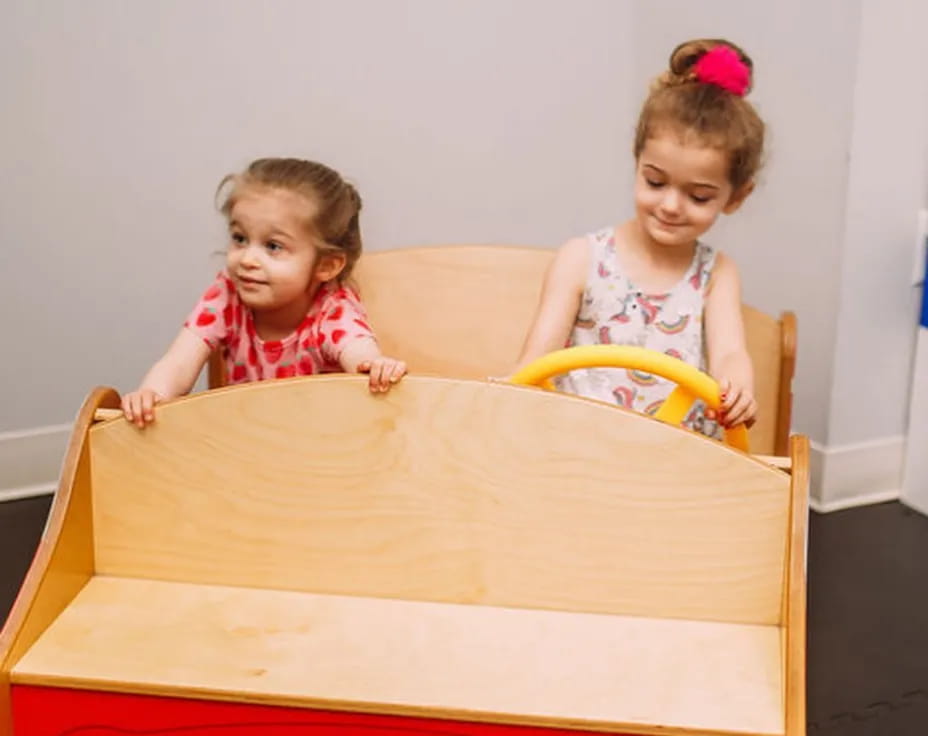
x=709, y=61
x=723, y=67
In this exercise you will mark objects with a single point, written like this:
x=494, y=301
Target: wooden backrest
x=458, y=311
x=464, y=311
x=442, y=490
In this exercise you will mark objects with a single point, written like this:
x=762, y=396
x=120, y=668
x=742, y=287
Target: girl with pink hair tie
x=652, y=281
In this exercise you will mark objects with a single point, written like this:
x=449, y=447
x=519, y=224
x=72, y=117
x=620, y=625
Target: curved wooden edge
x=64, y=560
x=788, y=337
x=105, y=415
x=794, y=600
x=782, y=463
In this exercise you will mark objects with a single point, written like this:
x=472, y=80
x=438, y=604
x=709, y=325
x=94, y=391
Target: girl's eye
x=273, y=247
x=700, y=200
x=654, y=184
x=238, y=238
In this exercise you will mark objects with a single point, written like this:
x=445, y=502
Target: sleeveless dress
x=614, y=311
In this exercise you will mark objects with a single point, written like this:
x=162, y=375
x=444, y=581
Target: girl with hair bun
x=652, y=281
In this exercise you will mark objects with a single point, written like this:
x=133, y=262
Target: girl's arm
x=363, y=356
x=173, y=375
x=729, y=362
x=559, y=302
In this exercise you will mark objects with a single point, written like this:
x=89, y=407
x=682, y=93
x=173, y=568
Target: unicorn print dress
x=615, y=312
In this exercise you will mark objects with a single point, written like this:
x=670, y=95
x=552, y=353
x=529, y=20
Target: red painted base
x=45, y=711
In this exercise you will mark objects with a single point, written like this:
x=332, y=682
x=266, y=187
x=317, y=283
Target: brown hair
x=335, y=221
x=716, y=116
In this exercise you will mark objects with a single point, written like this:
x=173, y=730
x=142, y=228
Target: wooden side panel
x=795, y=591
x=64, y=560
x=763, y=334
x=457, y=311
x=441, y=490
x=788, y=346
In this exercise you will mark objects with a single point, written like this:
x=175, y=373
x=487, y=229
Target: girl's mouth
x=246, y=281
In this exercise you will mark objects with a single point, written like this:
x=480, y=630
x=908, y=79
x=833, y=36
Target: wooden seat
x=454, y=552
x=682, y=673
x=464, y=311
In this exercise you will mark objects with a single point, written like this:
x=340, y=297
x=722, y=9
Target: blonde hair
x=678, y=100
x=335, y=221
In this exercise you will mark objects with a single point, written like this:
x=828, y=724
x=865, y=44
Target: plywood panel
x=442, y=490
x=63, y=562
x=763, y=334
x=469, y=662
x=459, y=311
x=794, y=617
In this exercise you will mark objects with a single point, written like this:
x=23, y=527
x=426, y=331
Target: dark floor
x=868, y=613
x=21, y=525
x=868, y=622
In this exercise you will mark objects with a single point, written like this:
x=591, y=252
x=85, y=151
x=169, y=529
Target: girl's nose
x=249, y=258
x=671, y=200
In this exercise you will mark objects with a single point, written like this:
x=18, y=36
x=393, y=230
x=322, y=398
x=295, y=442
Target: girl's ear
x=737, y=198
x=329, y=266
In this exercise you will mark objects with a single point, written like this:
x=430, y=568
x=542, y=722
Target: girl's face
x=681, y=187
x=272, y=258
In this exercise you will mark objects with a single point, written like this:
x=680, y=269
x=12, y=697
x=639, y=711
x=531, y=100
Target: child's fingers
x=136, y=410
x=127, y=408
x=138, y=417
x=382, y=373
x=149, y=399
x=731, y=397
x=398, y=371
x=743, y=410
x=377, y=381
x=371, y=370
x=139, y=407
x=384, y=376
x=724, y=389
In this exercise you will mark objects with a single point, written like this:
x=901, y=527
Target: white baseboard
x=15, y=494
x=859, y=474
x=30, y=460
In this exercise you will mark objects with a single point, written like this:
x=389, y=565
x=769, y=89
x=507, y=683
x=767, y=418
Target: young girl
x=282, y=306
x=651, y=281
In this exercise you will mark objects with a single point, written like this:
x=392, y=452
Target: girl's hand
x=383, y=372
x=173, y=375
x=139, y=406
x=738, y=405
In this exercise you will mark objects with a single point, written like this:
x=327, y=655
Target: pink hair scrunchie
x=723, y=67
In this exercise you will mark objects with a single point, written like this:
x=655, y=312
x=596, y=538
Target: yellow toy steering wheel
x=691, y=383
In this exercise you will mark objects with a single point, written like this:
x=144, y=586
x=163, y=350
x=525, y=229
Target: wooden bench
x=455, y=557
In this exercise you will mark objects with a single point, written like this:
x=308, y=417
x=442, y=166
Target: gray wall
x=887, y=184
x=503, y=121
x=459, y=121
